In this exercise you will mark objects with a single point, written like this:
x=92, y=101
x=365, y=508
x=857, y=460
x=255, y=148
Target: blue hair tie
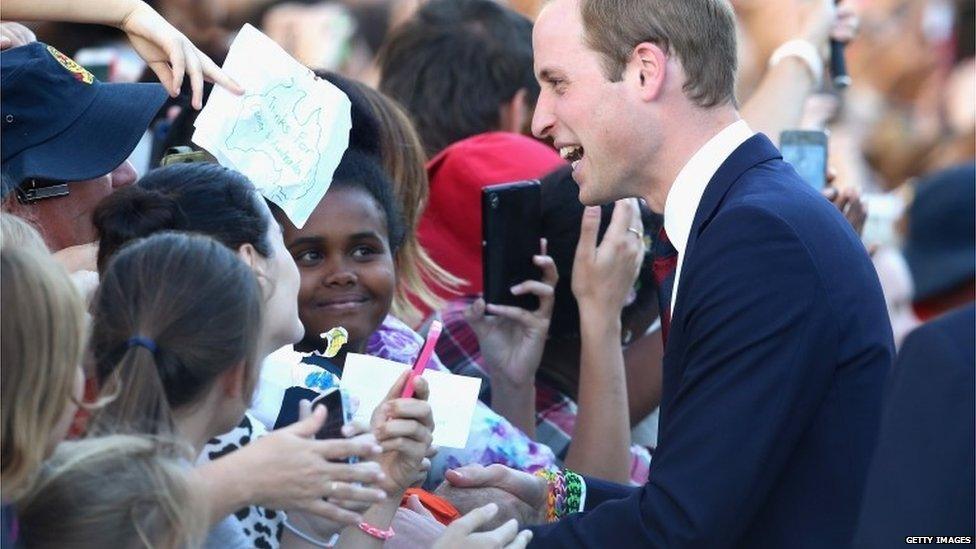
x=141, y=341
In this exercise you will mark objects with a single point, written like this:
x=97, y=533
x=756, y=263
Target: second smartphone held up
x=511, y=227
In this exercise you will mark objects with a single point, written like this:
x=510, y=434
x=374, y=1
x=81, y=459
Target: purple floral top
x=492, y=440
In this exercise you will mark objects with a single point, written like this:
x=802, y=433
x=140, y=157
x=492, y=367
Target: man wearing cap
x=66, y=138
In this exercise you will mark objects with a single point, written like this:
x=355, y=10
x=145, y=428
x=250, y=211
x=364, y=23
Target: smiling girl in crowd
x=345, y=255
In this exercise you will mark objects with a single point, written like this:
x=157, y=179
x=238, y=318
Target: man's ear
x=649, y=62
x=514, y=113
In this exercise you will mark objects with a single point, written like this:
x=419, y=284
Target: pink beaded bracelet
x=375, y=532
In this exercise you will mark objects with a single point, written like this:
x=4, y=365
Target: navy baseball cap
x=940, y=246
x=60, y=123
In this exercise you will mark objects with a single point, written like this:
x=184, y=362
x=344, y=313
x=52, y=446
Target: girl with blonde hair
x=118, y=491
x=41, y=345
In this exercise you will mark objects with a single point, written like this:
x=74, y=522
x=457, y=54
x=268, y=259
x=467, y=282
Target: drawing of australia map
x=282, y=139
x=287, y=133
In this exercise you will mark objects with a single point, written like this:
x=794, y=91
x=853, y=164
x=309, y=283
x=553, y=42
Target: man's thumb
x=469, y=476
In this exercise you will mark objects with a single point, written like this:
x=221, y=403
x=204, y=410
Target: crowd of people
x=721, y=355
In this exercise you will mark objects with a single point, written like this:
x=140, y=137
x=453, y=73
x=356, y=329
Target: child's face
x=346, y=265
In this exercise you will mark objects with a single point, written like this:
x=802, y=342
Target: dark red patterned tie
x=664, y=266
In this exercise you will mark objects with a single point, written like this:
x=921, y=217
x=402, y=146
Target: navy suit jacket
x=922, y=480
x=773, y=377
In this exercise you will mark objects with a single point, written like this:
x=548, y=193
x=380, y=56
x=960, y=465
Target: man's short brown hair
x=701, y=33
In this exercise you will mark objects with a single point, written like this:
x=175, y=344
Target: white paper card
x=452, y=397
x=287, y=133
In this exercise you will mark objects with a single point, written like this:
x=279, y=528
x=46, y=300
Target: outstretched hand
x=530, y=490
x=513, y=339
x=298, y=472
x=171, y=55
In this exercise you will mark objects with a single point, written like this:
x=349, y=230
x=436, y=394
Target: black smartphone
x=806, y=150
x=336, y=402
x=511, y=225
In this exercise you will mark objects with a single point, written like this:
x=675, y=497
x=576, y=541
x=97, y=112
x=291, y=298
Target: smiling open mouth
x=571, y=153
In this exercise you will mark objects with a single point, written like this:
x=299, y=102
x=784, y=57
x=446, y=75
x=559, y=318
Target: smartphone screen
x=807, y=152
x=336, y=419
x=511, y=226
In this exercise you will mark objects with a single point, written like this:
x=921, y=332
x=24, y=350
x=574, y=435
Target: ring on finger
x=636, y=232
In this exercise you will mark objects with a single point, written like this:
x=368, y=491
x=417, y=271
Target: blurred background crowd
x=910, y=112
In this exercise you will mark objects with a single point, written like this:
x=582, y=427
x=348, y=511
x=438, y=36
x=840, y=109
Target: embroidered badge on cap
x=80, y=73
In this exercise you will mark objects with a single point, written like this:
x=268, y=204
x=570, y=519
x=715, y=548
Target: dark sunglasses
x=33, y=190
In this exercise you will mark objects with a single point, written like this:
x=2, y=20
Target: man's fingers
x=475, y=518
x=589, y=227
x=473, y=476
x=623, y=216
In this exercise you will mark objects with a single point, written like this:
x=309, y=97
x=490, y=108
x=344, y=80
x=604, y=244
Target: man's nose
x=124, y=175
x=543, y=118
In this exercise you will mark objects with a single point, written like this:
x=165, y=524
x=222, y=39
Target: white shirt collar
x=686, y=193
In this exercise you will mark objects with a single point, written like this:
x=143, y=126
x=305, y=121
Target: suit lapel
x=755, y=150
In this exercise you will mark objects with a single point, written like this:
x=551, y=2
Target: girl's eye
x=364, y=251
x=311, y=257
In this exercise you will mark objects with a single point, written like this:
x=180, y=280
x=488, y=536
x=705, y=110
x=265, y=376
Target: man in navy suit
x=922, y=477
x=777, y=339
